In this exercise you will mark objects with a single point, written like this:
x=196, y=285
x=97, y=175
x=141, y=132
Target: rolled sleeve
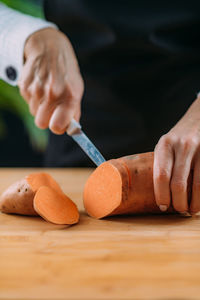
x=15, y=28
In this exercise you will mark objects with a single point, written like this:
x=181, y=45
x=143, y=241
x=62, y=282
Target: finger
x=162, y=169
x=179, y=179
x=61, y=118
x=39, y=87
x=49, y=101
x=77, y=114
x=34, y=105
x=26, y=79
x=37, y=93
x=43, y=115
x=195, y=202
x=42, y=70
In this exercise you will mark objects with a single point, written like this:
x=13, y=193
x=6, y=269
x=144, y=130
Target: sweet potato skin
x=141, y=197
x=18, y=199
x=137, y=195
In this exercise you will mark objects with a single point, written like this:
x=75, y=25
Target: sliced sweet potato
x=36, y=180
x=55, y=207
x=39, y=194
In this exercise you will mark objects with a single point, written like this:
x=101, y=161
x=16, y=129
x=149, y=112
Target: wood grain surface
x=135, y=257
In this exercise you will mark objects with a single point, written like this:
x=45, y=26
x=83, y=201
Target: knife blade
x=74, y=130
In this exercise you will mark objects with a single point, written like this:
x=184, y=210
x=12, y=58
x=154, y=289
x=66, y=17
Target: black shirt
x=140, y=61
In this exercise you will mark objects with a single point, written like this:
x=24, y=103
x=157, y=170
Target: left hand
x=176, y=154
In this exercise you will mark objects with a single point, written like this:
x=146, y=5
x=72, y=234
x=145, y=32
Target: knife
x=74, y=130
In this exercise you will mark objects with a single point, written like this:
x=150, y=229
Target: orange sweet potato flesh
x=36, y=180
x=50, y=202
x=55, y=207
x=121, y=186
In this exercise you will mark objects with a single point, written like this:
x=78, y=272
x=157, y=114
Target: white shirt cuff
x=15, y=28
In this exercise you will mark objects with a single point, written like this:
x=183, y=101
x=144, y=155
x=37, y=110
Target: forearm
x=15, y=28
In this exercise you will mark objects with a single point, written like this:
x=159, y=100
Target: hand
x=51, y=82
x=176, y=154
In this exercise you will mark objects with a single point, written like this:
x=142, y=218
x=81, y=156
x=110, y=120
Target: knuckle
x=165, y=141
x=184, y=144
x=48, y=97
x=188, y=143
x=56, y=91
x=75, y=95
x=178, y=185
x=75, y=91
x=162, y=175
x=37, y=92
x=39, y=88
x=194, y=142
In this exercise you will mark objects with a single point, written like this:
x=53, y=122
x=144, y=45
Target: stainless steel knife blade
x=75, y=131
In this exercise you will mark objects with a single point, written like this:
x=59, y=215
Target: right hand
x=50, y=81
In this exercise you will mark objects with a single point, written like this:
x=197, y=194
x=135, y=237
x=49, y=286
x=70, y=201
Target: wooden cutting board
x=135, y=257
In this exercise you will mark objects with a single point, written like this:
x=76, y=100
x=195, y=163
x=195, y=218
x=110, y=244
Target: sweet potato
x=18, y=199
x=55, y=207
x=39, y=194
x=36, y=180
x=121, y=186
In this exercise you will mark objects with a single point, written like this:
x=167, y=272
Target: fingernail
x=197, y=214
x=163, y=207
x=185, y=214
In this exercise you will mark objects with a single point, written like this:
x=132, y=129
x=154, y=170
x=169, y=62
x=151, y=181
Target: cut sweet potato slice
x=55, y=207
x=103, y=190
x=36, y=180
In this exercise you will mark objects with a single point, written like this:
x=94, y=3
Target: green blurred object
x=33, y=8
x=10, y=99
